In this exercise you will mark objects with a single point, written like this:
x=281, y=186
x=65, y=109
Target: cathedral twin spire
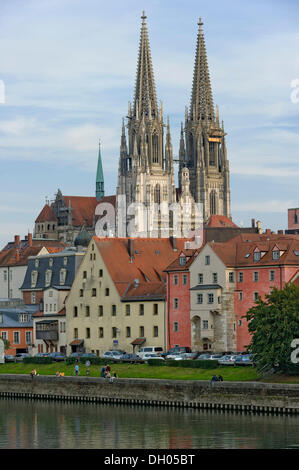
x=202, y=148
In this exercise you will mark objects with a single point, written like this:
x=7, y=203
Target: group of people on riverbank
x=216, y=379
x=106, y=373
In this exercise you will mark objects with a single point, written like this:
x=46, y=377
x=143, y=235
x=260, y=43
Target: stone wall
x=246, y=396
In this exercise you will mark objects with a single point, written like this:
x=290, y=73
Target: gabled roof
x=46, y=215
x=150, y=256
x=239, y=251
x=220, y=221
x=18, y=256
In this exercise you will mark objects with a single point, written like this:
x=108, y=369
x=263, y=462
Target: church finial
x=143, y=17
x=200, y=24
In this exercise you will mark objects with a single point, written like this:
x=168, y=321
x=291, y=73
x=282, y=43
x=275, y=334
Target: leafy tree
x=274, y=324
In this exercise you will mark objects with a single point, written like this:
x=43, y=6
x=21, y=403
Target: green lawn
x=137, y=371
x=145, y=371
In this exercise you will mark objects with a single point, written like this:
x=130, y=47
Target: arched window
x=213, y=208
x=155, y=142
x=157, y=194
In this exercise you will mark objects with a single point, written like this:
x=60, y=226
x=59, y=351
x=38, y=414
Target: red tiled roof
x=46, y=215
x=18, y=256
x=190, y=256
x=150, y=257
x=239, y=251
x=220, y=221
x=84, y=208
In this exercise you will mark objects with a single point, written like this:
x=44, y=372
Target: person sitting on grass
x=33, y=373
x=114, y=376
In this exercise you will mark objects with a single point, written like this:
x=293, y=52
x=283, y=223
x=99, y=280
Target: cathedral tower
x=145, y=174
x=203, y=148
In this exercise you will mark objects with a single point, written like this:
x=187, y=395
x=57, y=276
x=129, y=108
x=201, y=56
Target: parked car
x=20, y=356
x=9, y=358
x=42, y=354
x=227, y=360
x=215, y=357
x=57, y=356
x=76, y=355
x=176, y=350
x=147, y=356
x=87, y=355
x=186, y=356
x=204, y=357
x=132, y=358
x=244, y=360
x=150, y=349
x=113, y=354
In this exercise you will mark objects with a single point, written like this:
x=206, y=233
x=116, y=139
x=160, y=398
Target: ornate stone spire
x=145, y=101
x=201, y=106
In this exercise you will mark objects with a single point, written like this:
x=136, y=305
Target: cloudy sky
x=69, y=66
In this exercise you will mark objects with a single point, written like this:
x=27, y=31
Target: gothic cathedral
x=146, y=163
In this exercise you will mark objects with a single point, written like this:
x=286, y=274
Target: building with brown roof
x=63, y=218
x=119, y=294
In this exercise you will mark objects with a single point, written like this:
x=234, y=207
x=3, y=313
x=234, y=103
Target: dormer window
x=50, y=262
x=36, y=263
x=48, y=277
x=275, y=254
x=65, y=261
x=182, y=260
x=34, y=275
x=62, y=276
x=257, y=256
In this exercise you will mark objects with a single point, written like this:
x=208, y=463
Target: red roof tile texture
x=18, y=255
x=46, y=215
x=220, y=221
x=240, y=250
x=139, y=276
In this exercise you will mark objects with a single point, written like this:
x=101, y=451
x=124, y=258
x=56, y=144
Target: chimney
x=173, y=242
x=17, y=240
x=280, y=232
x=252, y=223
x=29, y=239
x=268, y=231
x=17, y=256
x=131, y=248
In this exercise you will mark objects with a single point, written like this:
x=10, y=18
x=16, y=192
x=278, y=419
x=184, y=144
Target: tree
x=274, y=324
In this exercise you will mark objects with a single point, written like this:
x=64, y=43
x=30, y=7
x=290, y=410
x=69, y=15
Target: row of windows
x=255, y=276
x=210, y=298
x=48, y=227
x=115, y=332
x=114, y=310
x=205, y=325
x=48, y=277
x=255, y=296
x=84, y=274
x=16, y=337
x=51, y=261
x=231, y=277
x=184, y=279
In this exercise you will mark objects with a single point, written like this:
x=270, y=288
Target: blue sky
x=69, y=71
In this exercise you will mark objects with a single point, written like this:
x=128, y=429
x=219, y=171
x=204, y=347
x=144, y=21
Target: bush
x=194, y=364
x=37, y=360
x=155, y=362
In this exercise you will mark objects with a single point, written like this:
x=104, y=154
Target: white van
x=149, y=349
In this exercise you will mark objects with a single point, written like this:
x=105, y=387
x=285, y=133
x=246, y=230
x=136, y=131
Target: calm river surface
x=54, y=425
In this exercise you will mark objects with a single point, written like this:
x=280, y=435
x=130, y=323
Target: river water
x=55, y=425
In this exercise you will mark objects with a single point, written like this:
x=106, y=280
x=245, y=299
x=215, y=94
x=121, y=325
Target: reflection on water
x=53, y=425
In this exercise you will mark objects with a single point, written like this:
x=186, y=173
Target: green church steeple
x=100, y=177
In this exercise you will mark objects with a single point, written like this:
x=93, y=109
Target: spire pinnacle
x=201, y=107
x=145, y=90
